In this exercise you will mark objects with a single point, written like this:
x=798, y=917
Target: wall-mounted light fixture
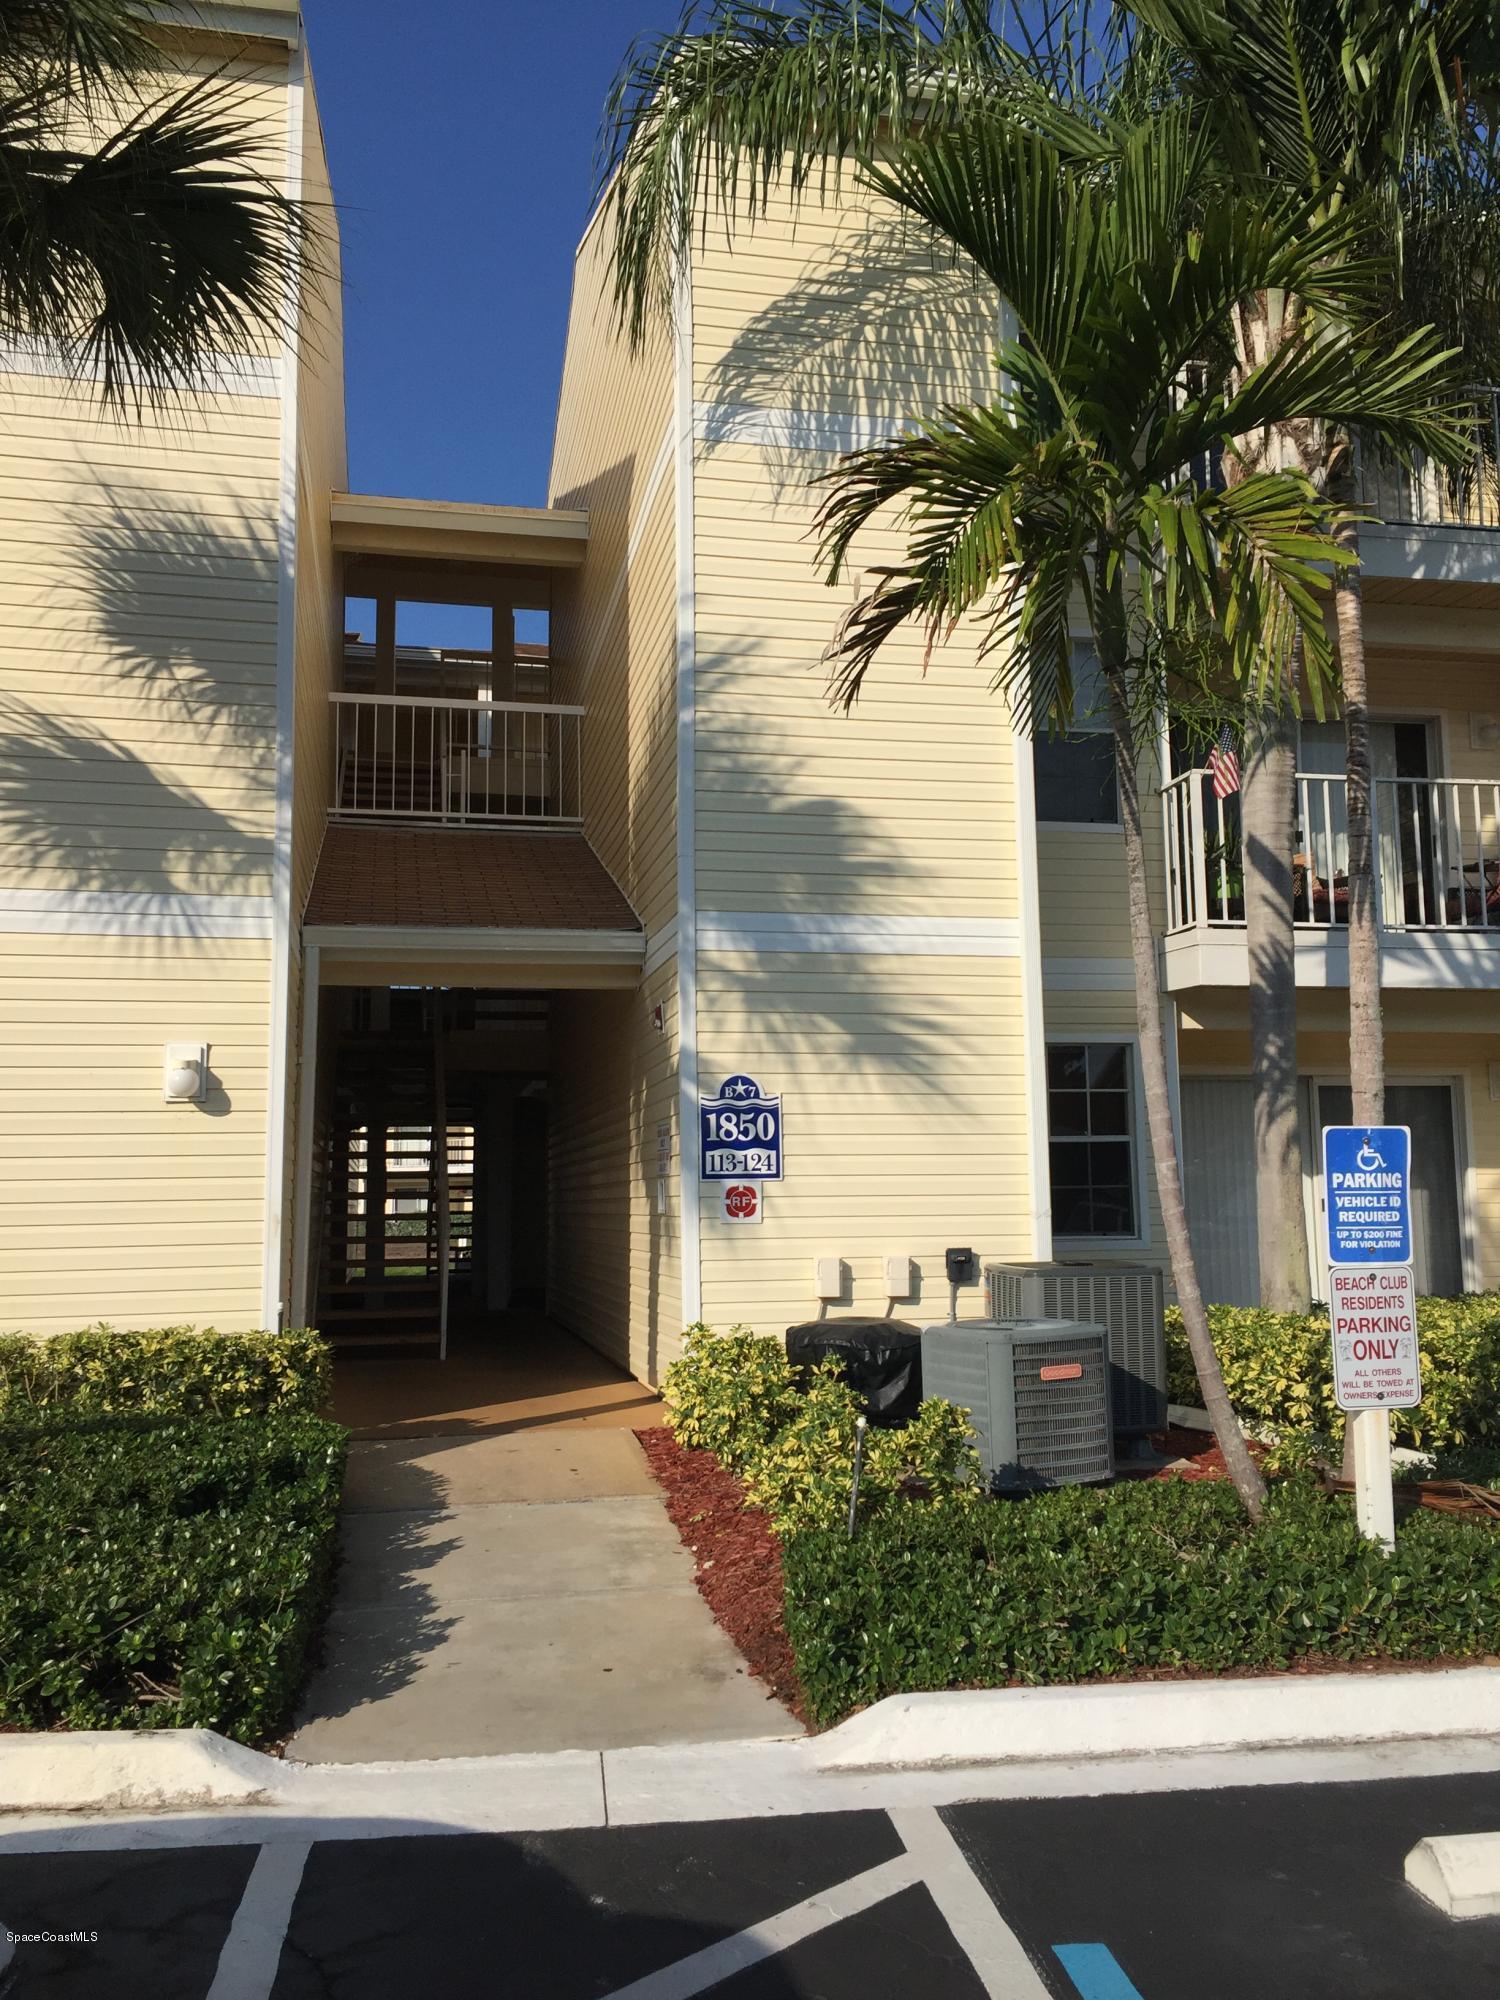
x=184, y=1072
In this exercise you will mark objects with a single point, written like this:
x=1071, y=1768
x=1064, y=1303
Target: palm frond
x=1408, y=397
x=742, y=99
x=165, y=245
x=86, y=48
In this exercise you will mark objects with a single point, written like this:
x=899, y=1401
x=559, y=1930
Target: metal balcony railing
x=1437, y=849
x=457, y=762
x=1425, y=495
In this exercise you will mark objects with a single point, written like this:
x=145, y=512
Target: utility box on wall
x=1128, y=1300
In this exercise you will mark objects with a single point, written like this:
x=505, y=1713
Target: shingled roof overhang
x=464, y=900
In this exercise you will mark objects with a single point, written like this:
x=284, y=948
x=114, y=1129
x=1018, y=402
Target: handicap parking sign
x=1367, y=1188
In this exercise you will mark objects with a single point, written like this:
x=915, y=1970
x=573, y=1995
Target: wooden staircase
x=397, y=1181
x=392, y=785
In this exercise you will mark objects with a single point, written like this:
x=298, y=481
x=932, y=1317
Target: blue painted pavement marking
x=1096, y=1972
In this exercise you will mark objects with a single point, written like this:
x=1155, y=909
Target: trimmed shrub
x=792, y=1441
x=163, y=1574
x=730, y=1393
x=1278, y=1369
x=174, y=1371
x=1082, y=1583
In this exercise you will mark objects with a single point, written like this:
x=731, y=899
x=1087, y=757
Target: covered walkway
x=505, y=1372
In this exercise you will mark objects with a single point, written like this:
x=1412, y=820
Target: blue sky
x=461, y=138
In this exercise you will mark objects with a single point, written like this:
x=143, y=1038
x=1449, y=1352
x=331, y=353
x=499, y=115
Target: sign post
x=1372, y=1303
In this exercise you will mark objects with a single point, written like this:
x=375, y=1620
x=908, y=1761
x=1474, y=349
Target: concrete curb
x=132, y=1770
x=1001, y=1729
x=1459, y=1872
x=1153, y=1718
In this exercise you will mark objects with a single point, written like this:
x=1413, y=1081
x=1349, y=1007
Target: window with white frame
x=1091, y=1135
x=1075, y=769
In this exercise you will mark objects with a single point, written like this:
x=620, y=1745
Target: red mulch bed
x=738, y=1557
x=739, y=1568
x=1205, y=1460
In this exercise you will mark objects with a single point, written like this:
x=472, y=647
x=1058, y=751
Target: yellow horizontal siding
x=616, y=1255
x=814, y=313
x=905, y=806
x=137, y=643
x=837, y=305
x=904, y=1108
x=616, y=1272
x=117, y=1205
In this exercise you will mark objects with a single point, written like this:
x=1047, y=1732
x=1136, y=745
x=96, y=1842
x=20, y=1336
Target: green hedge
x=1079, y=1583
x=163, y=1574
x=791, y=1438
x=1278, y=1368
x=175, y=1371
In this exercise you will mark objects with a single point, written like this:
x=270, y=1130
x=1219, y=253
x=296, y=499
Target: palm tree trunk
x=1231, y=1439
x=1366, y=1022
x=1269, y=829
x=1269, y=808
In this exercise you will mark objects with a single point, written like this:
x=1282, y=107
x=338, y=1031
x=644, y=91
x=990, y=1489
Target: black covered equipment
x=882, y=1361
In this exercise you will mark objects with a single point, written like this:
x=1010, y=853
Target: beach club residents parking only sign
x=739, y=1133
x=1367, y=1185
x=1375, y=1360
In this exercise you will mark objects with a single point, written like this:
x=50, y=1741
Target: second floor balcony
x=1437, y=881
x=457, y=762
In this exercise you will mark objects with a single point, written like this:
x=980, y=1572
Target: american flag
x=1224, y=764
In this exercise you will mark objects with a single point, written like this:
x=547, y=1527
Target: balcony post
x=385, y=644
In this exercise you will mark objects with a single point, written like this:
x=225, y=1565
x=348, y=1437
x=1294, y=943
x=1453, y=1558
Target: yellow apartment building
x=378, y=984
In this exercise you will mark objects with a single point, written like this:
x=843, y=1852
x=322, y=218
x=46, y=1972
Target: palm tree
x=1071, y=489
x=1362, y=105
x=141, y=232
x=744, y=99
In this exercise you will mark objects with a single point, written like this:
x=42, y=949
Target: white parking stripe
x=996, y=1953
x=252, y=1950
x=779, y=1933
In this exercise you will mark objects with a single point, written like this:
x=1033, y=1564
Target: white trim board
x=1217, y=955
x=256, y=375
x=1033, y=993
x=561, y=947
x=1447, y=553
x=898, y=937
x=278, y=1048
x=303, y=1305
x=684, y=434
x=132, y=913
x=794, y=430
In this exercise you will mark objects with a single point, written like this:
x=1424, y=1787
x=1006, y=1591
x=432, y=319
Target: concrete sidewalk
x=518, y=1593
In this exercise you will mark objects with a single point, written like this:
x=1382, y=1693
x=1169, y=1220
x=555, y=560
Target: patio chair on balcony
x=1476, y=901
x=1312, y=901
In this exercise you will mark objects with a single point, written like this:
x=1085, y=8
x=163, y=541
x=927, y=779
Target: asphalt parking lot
x=1218, y=1895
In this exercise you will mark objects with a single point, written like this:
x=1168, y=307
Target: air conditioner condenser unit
x=1037, y=1392
x=1126, y=1299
